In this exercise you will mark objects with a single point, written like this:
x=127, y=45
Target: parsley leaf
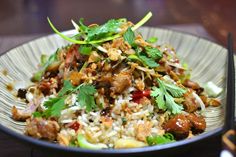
x=148, y=61
x=160, y=139
x=154, y=53
x=152, y=40
x=67, y=87
x=85, y=49
x=163, y=96
x=86, y=97
x=129, y=37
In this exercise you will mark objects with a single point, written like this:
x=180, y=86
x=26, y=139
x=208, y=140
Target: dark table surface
x=23, y=20
x=23, y=17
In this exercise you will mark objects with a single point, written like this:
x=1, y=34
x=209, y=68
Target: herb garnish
x=99, y=34
x=164, y=96
x=160, y=139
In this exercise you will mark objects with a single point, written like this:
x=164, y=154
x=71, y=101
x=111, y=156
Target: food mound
x=111, y=88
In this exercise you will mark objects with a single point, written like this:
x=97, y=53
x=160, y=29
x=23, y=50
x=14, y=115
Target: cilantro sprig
x=85, y=97
x=99, y=34
x=164, y=96
x=153, y=52
x=129, y=36
x=147, y=57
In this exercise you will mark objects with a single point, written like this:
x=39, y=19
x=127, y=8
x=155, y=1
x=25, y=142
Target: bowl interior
x=206, y=59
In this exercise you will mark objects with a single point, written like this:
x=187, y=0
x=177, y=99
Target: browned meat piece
x=75, y=77
x=193, y=85
x=190, y=104
x=121, y=44
x=179, y=126
x=42, y=129
x=143, y=130
x=190, y=84
x=204, y=100
x=114, y=54
x=121, y=82
x=72, y=56
x=214, y=102
x=141, y=42
x=45, y=87
x=20, y=115
x=174, y=76
x=198, y=123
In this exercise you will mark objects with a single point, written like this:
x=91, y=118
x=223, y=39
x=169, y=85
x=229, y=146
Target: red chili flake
x=140, y=94
x=137, y=95
x=75, y=125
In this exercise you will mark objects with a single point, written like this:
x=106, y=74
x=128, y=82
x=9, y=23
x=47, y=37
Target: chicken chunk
x=198, y=123
x=20, y=115
x=179, y=126
x=42, y=129
x=114, y=54
x=121, y=82
x=190, y=104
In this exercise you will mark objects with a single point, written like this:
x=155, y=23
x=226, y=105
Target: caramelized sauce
x=5, y=72
x=9, y=86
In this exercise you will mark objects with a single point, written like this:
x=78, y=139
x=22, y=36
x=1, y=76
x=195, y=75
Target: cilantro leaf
x=148, y=61
x=86, y=97
x=67, y=87
x=175, y=91
x=83, y=27
x=160, y=139
x=100, y=34
x=129, y=37
x=158, y=93
x=163, y=96
x=58, y=107
x=140, y=56
x=85, y=49
x=55, y=106
x=51, y=101
x=154, y=53
x=172, y=105
x=152, y=40
x=110, y=28
x=37, y=114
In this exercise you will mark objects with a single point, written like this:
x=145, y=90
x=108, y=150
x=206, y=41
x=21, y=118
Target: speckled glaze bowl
x=207, y=60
